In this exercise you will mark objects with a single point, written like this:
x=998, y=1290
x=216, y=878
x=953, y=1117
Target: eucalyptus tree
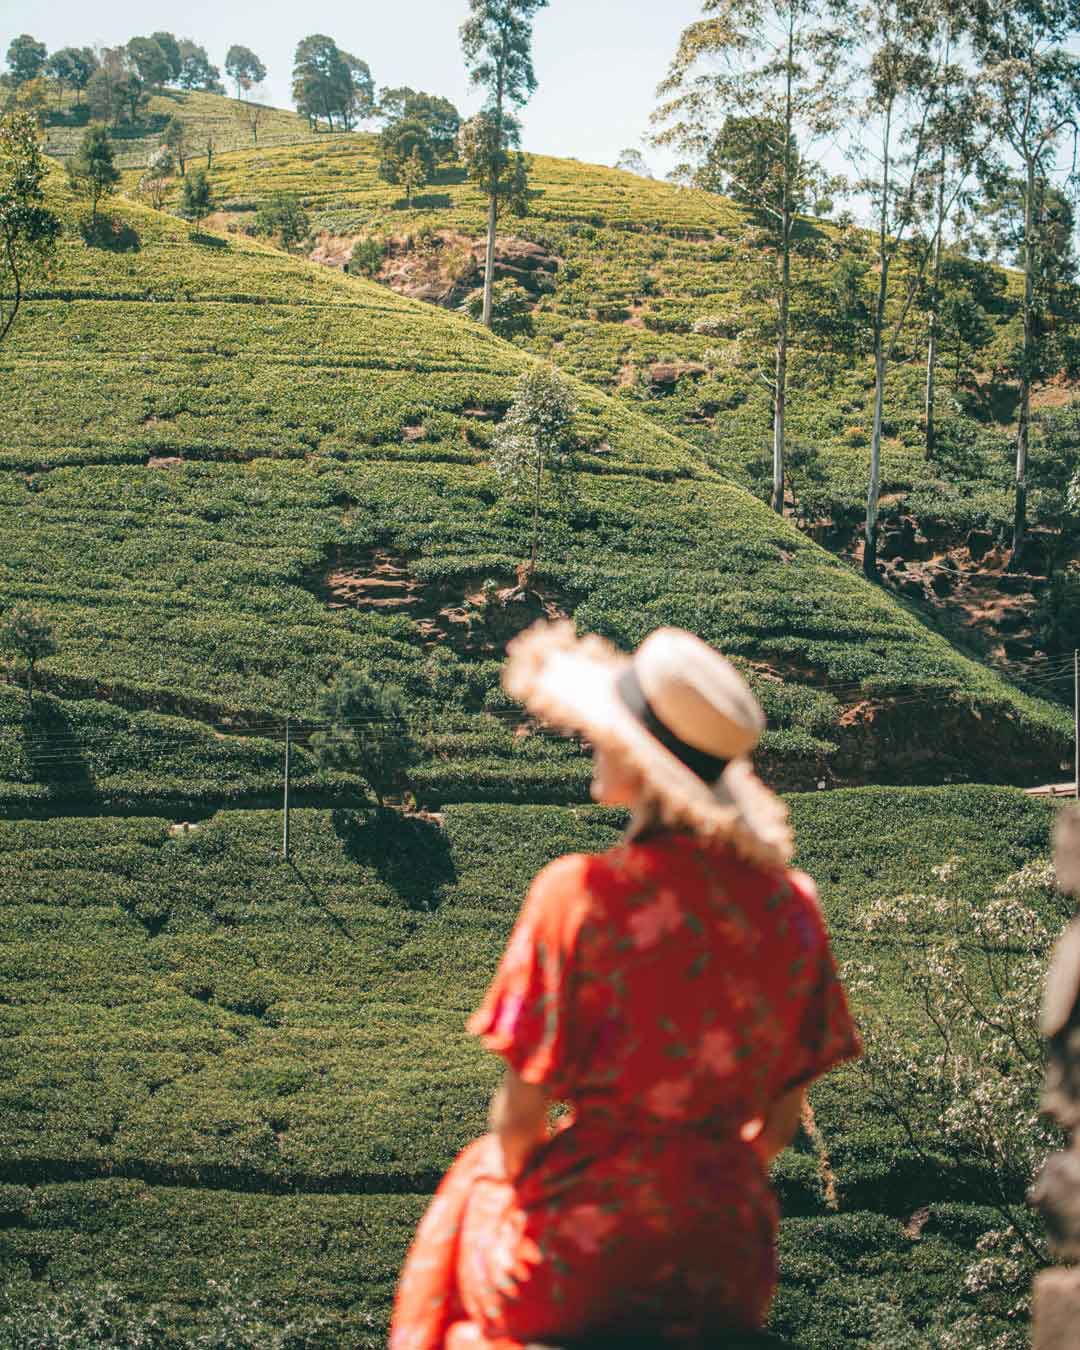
x=496, y=40
x=169, y=45
x=1034, y=81
x=749, y=81
x=244, y=68
x=534, y=440
x=26, y=58
x=904, y=126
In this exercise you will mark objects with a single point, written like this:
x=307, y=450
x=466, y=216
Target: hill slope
x=209, y=119
x=227, y=472
x=221, y=1066
x=653, y=294
x=654, y=300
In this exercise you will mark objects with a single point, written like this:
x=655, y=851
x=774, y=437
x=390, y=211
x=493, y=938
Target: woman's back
x=670, y=983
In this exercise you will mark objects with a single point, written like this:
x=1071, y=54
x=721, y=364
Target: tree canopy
x=28, y=230
x=25, y=58
x=196, y=71
x=171, y=48
x=93, y=170
x=244, y=68
x=331, y=83
x=438, y=115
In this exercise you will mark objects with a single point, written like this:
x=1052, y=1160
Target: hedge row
x=188, y=1007
x=327, y=1265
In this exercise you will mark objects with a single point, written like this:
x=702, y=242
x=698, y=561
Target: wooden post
x=285, y=812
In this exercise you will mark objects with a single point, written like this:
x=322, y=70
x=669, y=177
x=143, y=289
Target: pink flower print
x=717, y=1051
x=587, y=1226
x=650, y=924
x=668, y=1100
x=506, y=1020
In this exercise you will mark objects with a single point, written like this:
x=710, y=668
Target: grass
x=205, y=117
x=198, y=433
x=644, y=266
x=221, y=1065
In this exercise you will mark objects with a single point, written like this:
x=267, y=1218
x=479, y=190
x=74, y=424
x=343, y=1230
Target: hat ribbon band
x=707, y=767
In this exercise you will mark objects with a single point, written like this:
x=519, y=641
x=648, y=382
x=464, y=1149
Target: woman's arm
x=518, y=1119
x=772, y=1133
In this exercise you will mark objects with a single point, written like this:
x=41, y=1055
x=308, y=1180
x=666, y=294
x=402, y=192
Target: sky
x=597, y=61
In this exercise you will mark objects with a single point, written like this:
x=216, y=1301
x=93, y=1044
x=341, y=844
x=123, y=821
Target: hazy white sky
x=598, y=61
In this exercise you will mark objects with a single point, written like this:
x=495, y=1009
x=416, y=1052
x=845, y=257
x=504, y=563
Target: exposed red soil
x=476, y=615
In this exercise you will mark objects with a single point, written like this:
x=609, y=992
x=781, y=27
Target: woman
x=678, y=992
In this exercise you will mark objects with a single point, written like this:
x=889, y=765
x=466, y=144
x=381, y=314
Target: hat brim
x=571, y=683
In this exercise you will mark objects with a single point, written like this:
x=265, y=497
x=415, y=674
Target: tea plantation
x=222, y=1065
x=227, y=473
x=654, y=301
x=200, y=437
x=207, y=118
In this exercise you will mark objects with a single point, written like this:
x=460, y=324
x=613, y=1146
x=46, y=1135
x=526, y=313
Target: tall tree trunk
x=1020, y=513
x=493, y=205
x=870, y=569
x=536, y=514
x=932, y=336
x=16, y=273
x=780, y=389
x=489, y=257
x=935, y=289
x=779, y=410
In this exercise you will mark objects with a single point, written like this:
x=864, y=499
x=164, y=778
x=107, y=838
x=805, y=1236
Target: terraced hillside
x=225, y=474
x=214, y=460
x=224, y=1067
x=206, y=117
x=651, y=297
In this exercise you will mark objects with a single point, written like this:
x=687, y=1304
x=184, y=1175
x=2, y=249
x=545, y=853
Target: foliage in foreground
x=252, y=1069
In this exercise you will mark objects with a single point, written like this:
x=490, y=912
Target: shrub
x=285, y=216
x=367, y=257
x=511, y=309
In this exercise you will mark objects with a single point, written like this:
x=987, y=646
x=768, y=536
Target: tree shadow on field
x=410, y=853
x=450, y=174
x=209, y=240
x=52, y=752
x=428, y=201
x=109, y=233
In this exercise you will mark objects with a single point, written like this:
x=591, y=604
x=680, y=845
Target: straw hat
x=676, y=711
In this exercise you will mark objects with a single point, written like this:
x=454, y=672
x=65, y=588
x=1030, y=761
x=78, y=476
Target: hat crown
x=698, y=694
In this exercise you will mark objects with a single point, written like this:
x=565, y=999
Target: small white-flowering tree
x=959, y=1067
x=154, y=183
x=533, y=440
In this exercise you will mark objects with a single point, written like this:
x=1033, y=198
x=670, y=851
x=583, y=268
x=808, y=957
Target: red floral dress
x=670, y=993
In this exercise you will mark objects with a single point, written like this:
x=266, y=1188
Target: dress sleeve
x=825, y=1034
x=526, y=1015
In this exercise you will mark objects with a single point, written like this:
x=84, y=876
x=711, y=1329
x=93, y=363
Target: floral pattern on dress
x=670, y=993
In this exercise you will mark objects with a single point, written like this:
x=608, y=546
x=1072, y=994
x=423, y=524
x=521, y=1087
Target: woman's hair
x=768, y=843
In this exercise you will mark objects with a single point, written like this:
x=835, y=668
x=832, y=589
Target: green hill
x=215, y=458
x=652, y=301
x=206, y=117
x=225, y=473
x=220, y=1065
